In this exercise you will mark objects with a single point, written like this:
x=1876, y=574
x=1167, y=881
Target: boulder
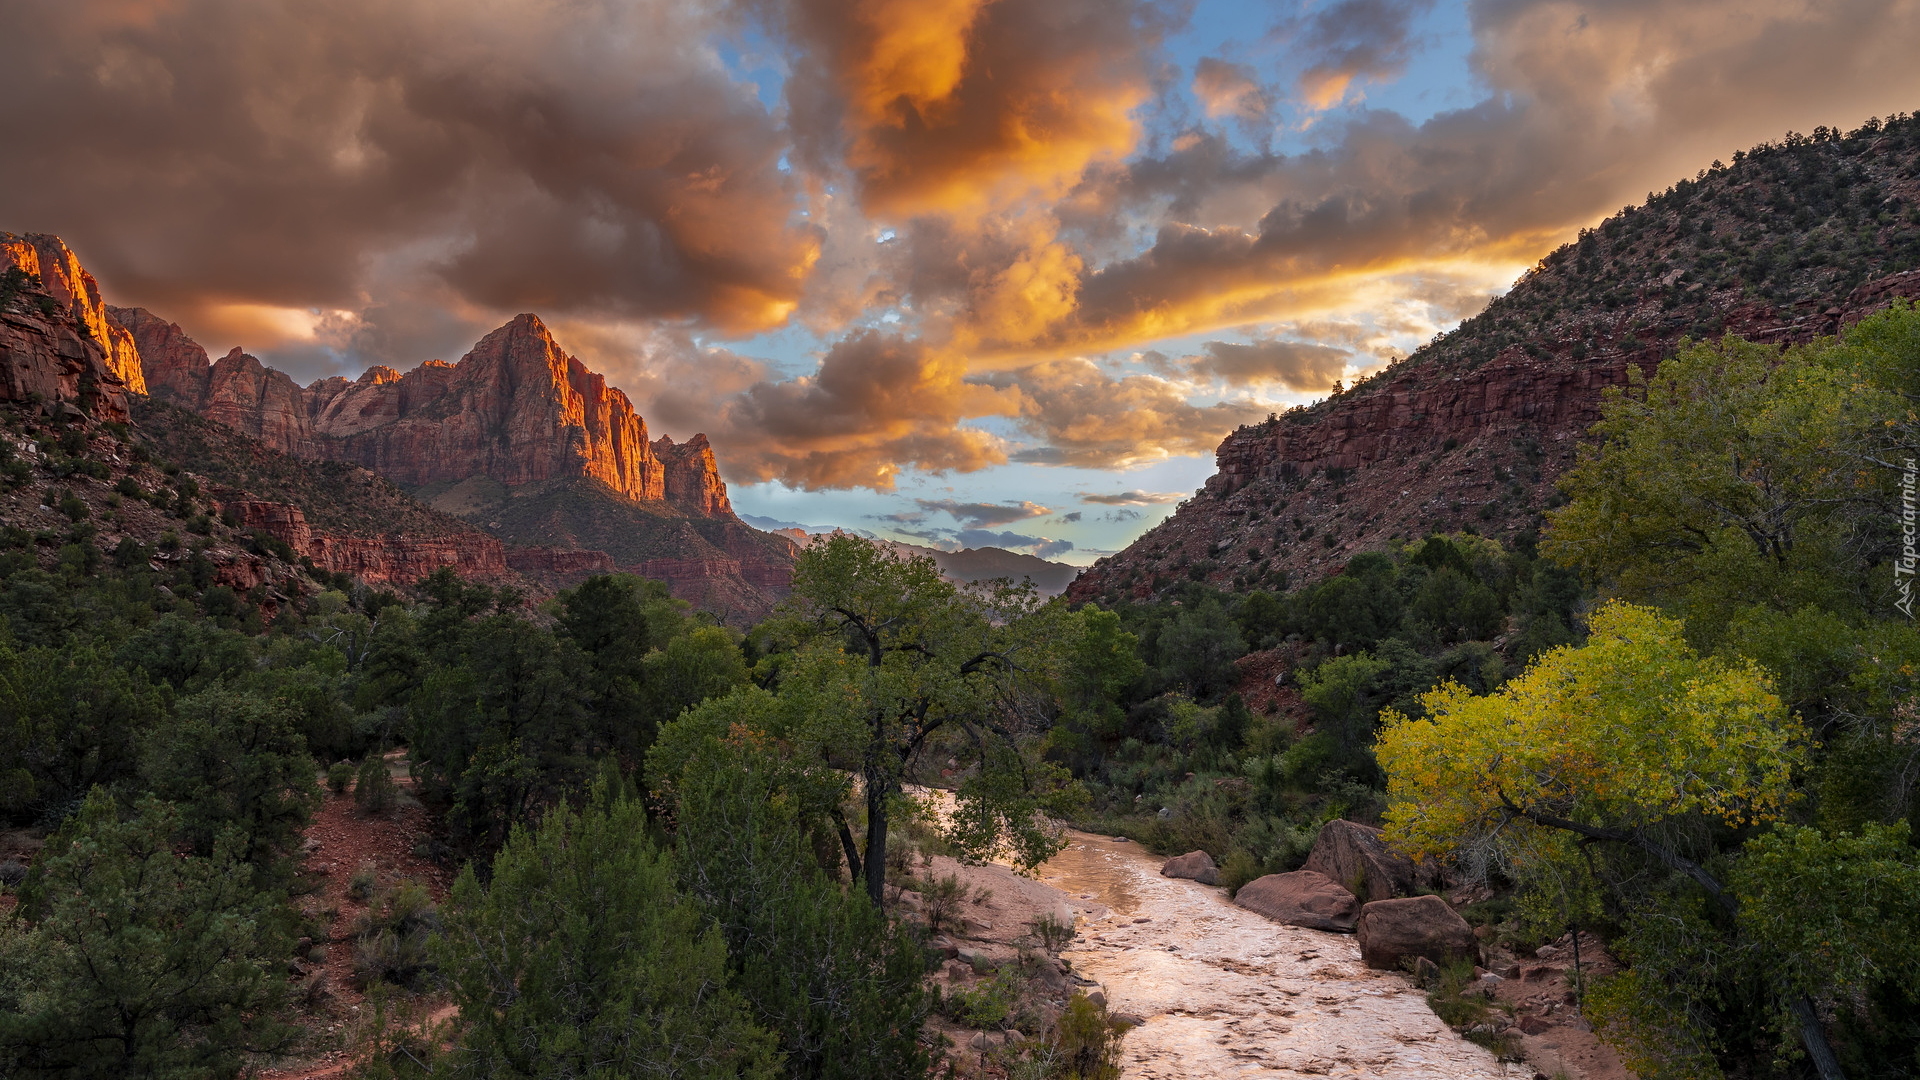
x=1302, y=898
x=1197, y=865
x=1355, y=856
x=1393, y=931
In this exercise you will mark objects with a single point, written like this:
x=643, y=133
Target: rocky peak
x=516, y=409
x=48, y=353
x=692, y=476
x=68, y=283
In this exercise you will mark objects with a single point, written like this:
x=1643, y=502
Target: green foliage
x=1737, y=476
x=892, y=662
x=133, y=960
x=1085, y=1043
x=580, y=959
x=234, y=762
x=374, y=791
x=70, y=720
x=391, y=936
x=835, y=981
x=1822, y=906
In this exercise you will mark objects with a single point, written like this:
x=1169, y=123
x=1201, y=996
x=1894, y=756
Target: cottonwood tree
x=893, y=664
x=1736, y=475
x=1621, y=741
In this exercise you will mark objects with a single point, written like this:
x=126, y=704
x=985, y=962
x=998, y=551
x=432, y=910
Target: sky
x=959, y=272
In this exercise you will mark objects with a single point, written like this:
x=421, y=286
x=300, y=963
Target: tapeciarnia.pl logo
x=1903, y=567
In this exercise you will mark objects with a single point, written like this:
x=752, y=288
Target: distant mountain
x=1791, y=241
x=986, y=563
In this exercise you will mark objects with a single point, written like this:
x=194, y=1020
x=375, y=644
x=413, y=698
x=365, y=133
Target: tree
x=1837, y=915
x=500, y=726
x=69, y=720
x=234, y=760
x=134, y=961
x=1729, y=478
x=896, y=660
x=581, y=959
x=1614, y=742
x=836, y=981
x=1197, y=650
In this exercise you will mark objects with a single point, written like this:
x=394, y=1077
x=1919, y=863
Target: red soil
x=339, y=841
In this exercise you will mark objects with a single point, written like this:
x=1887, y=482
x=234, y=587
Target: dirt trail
x=1226, y=993
x=339, y=841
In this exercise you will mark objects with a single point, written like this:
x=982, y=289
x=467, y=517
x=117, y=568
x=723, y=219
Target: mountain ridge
x=1792, y=241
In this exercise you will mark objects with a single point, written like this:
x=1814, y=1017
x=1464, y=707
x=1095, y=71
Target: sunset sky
x=956, y=271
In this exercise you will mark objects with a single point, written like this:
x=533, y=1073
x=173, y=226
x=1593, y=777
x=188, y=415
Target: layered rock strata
x=516, y=409
x=56, y=348
x=398, y=558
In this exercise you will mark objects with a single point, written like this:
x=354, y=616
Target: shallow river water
x=1226, y=993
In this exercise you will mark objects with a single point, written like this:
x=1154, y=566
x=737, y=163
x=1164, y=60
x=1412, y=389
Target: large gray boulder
x=1302, y=898
x=1393, y=931
x=1197, y=865
x=1355, y=856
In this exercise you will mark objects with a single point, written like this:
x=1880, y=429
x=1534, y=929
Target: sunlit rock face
x=56, y=347
x=78, y=298
x=516, y=409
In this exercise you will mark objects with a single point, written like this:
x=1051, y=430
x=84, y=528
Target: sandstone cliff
x=78, y=296
x=516, y=409
x=53, y=348
x=342, y=517
x=1472, y=431
x=518, y=438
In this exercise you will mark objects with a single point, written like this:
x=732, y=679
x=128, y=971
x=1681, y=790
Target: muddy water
x=1226, y=993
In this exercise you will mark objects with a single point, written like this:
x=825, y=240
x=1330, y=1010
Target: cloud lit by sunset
x=893, y=256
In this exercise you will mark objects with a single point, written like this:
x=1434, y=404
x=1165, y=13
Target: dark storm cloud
x=209, y=152
x=984, y=514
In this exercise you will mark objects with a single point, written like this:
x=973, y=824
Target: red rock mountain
x=516, y=409
x=56, y=340
x=1793, y=241
x=518, y=438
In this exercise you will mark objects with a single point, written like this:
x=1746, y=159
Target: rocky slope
x=518, y=438
x=341, y=516
x=1790, y=242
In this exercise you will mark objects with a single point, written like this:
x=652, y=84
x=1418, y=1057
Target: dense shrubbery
x=1175, y=758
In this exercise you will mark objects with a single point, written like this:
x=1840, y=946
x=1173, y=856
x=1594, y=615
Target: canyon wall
x=398, y=559
x=56, y=344
x=1422, y=448
x=516, y=409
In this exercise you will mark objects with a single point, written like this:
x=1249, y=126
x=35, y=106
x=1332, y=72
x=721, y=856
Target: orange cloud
x=958, y=106
x=879, y=404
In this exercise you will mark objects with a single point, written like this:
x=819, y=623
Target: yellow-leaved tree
x=1606, y=741
x=1622, y=740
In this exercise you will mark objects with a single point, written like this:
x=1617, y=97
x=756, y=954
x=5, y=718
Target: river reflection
x=1225, y=992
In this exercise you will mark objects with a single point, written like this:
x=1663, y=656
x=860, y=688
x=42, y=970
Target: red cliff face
x=48, y=350
x=692, y=476
x=516, y=409
x=1419, y=449
x=69, y=284
x=398, y=559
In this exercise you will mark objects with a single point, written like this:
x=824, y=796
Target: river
x=1226, y=993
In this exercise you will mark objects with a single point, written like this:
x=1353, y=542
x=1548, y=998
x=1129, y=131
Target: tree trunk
x=846, y=843
x=876, y=867
x=1815, y=1037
